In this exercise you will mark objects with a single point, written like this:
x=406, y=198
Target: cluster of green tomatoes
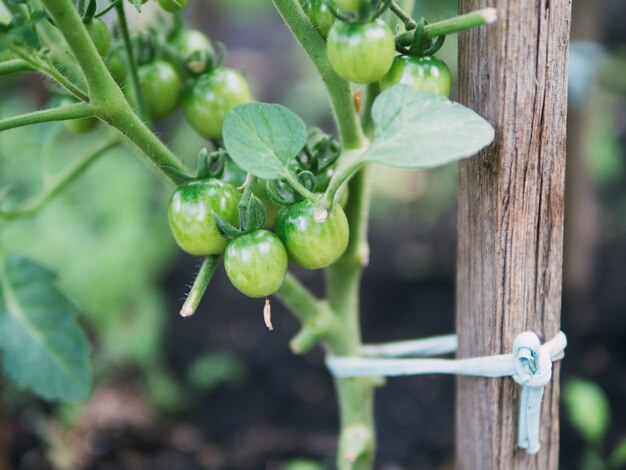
x=226, y=213
x=229, y=213
x=184, y=69
x=362, y=48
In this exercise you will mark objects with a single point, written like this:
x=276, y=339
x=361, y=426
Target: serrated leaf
x=418, y=130
x=42, y=346
x=263, y=138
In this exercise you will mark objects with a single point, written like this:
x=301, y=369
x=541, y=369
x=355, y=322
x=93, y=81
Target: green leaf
x=137, y=4
x=617, y=459
x=588, y=409
x=420, y=130
x=263, y=138
x=42, y=346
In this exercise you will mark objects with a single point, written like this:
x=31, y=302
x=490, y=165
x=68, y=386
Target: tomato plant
x=263, y=169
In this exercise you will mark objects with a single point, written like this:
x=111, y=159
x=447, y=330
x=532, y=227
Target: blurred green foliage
x=587, y=408
x=589, y=411
x=105, y=233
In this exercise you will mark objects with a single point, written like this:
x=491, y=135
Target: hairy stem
x=62, y=113
x=14, y=66
x=132, y=63
x=207, y=269
x=339, y=90
x=397, y=9
x=356, y=395
x=37, y=63
x=38, y=202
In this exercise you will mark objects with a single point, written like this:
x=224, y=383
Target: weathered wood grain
x=514, y=73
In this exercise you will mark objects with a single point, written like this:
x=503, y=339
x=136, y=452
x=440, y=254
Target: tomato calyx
x=90, y=12
x=313, y=168
x=320, y=152
x=211, y=165
x=420, y=44
x=251, y=215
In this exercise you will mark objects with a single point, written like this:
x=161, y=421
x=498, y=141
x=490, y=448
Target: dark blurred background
x=218, y=390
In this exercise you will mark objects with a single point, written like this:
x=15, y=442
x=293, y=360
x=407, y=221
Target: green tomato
x=349, y=5
x=79, y=125
x=256, y=263
x=361, y=52
x=190, y=215
x=117, y=66
x=422, y=73
x=320, y=15
x=161, y=88
x=312, y=244
x=100, y=35
x=172, y=6
x=188, y=41
x=207, y=100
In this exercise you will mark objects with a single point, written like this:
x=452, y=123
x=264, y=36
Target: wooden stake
x=513, y=73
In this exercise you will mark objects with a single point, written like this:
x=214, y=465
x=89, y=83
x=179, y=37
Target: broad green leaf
x=420, y=130
x=42, y=346
x=588, y=409
x=263, y=138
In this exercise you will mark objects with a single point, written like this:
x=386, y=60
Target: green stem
x=339, y=90
x=132, y=63
x=356, y=395
x=300, y=189
x=315, y=315
x=452, y=25
x=14, y=66
x=62, y=113
x=372, y=91
x=49, y=69
x=107, y=9
x=409, y=23
x=38, y=202
x=106, y=97
x=199, y=285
